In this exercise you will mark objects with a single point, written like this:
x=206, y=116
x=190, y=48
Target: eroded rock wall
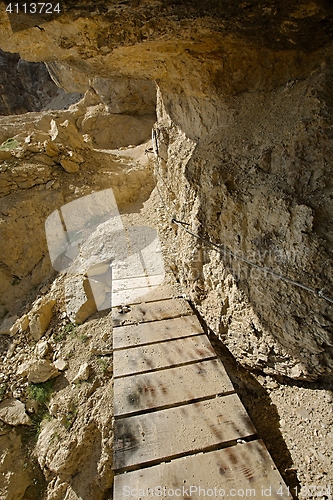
x=244, y=138
x=260, y=187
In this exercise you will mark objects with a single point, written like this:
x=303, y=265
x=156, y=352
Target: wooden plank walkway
x=179, y=427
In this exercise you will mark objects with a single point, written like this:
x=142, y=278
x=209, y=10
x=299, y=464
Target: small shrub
x=103, y=364
x=41, y=392
x=70, y=418
x=69, y=329
x=42, y=416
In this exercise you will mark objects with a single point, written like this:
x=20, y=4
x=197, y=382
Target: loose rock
x=12, y=412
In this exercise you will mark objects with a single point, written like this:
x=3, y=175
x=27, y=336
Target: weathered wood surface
x=164, y=434
x=156, y=331
x=170, y=387
x=241, y=471
x=152, y=311
x=136, y=295
x=137, y=282
x=170, y=431
x=163, y=354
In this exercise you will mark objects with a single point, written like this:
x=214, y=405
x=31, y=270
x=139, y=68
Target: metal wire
x=222, y=249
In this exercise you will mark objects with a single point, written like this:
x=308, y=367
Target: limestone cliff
x=244, y=133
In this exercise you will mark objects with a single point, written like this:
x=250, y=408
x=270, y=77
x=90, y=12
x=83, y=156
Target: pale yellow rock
x=38, y=370
x=69, y=165
x=42, y=349
x=66, y=133
x=80, y=302
x=20, y=325
x=83, y=373
x=7, y=324
x=12, y=411
x=41, y=317
x=60, y=364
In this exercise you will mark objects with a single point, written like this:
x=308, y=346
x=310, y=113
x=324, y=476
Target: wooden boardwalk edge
x=179, y=427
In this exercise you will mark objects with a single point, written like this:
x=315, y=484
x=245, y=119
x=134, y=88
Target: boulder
x=12, y=412
x=69, y=165
x=42, y=349
x=20, y=325
x=61, y=364
x=83, y=373
x=38, y=370
x=66, y=133
x=79, y=299
x=40, y=318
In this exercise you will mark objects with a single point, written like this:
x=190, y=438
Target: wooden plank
x=125, y=297
x=241, y=471
x=161, y=435
x=157, y=331
x=152, y=311
x=164, y=354
x=137, y=282
x=140, y=289
x=169, y=387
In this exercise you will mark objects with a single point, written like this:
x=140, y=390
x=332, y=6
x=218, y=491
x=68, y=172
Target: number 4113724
x=33, y=8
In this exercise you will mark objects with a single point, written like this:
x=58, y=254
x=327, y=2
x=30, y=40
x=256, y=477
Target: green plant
x=83, y=338
x=68, y=329
x=41, y=392
x=9, y=144
x=103, y=364
x=37, y=419
x=70, y=418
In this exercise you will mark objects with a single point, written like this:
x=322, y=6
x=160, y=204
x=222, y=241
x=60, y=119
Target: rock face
x=16, y=480
x=51, y=165
x=244, y=144
x=25, y=86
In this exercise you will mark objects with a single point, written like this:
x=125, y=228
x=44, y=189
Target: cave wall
x=24, y=86
x=260, y=187
x=244, y=132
